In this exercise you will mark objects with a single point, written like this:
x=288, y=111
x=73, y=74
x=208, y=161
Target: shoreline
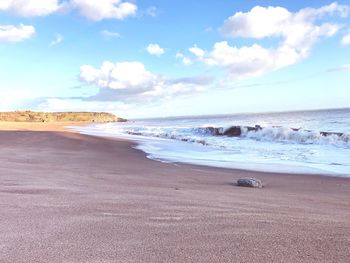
x=69, y=127
x=79, y=198
x=273, y=168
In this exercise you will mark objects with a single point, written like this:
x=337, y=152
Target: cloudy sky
x=148, y=58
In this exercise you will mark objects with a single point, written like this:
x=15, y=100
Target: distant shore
x=35, y=116
x=67, y=197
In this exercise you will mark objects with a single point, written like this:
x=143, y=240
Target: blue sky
x=169, y=58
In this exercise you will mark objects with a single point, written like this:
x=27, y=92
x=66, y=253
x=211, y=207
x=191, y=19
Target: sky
x=153, y=58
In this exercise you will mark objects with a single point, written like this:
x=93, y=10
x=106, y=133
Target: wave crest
x=280, y=134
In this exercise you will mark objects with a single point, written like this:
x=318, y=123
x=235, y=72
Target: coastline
x=151, y=146
x=72, y=197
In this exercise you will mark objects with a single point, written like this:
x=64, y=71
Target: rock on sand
x=250, y=182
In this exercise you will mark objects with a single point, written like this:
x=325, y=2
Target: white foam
x=271, y=150
x=284, y=134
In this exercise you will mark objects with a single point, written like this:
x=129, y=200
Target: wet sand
x=66, y=197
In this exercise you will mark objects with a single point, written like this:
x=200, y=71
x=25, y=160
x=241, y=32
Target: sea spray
x=311, y=142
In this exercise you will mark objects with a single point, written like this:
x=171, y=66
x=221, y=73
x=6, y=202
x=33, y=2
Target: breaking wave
x=257, y=133
x=307, y=142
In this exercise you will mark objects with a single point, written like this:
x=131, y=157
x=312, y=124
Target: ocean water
x=314, y=142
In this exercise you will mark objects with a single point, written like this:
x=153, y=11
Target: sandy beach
x=67, y=197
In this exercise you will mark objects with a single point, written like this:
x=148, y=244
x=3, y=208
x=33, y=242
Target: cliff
x=31, y=116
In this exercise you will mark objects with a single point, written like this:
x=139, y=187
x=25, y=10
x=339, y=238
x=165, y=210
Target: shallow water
x=308, y=142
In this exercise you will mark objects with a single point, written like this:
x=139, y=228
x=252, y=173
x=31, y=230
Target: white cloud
x=332, y=9
x=109, y=34
x=155, y=49
x=14, y=98
x=185, y=60
x=28, y=8
x=197, y=51
x=123, y=75
x=298, y=32
x=11, y=33
x=245, y=61
x=261, y=22
x=58, y=39
x=66, y=104
x=97, y=10
x=345, y=41
x=120, y=109
x=128, y=81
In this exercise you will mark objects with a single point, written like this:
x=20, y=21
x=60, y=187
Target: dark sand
x=66, y=197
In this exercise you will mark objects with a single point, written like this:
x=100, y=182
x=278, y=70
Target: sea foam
x=310, y=142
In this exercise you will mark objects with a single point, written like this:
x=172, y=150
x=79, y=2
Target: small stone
x=249, y=182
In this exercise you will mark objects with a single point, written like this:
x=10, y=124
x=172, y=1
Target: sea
x=311, y=142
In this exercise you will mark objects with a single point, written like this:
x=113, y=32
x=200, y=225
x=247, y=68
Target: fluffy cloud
x=262, y=22
x=197, y=51
x=11, y=33
x=97, y=10
x=246, y=61
x=130, y=81
x=123, y=75
x=259, y=22
x=345, y=41
x=185, y=60
x=58, y=39
x=30, y=8
x=155, y=49
x=298, y=33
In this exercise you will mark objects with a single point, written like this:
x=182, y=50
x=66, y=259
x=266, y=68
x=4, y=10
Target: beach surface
x=67, y=197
